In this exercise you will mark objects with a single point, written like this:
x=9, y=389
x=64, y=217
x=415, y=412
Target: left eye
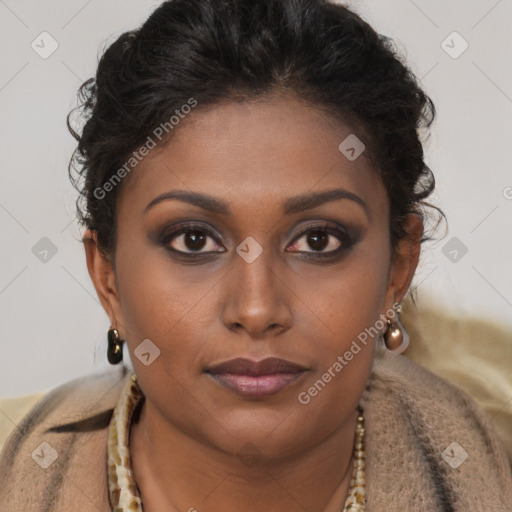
x=319, y=239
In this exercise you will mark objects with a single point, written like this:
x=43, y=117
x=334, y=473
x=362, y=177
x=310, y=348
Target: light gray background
x=52, y=326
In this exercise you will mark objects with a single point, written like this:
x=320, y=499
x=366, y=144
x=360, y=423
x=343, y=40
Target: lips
x=256, y=379
x=268, y=366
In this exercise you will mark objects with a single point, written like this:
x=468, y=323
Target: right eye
x=190, y=239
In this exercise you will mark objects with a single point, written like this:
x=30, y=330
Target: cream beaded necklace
x=123, y=493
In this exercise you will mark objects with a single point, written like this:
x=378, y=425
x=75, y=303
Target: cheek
x=347, y=297
x=344, y=358
x=158, y=302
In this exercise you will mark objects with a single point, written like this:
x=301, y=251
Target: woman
x=254, y=190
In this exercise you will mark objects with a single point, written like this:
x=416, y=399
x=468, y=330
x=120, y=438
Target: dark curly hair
x=237, y=50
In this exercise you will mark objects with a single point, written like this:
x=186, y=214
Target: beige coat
x=411, y=417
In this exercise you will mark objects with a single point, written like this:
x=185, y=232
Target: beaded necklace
x=123, y=492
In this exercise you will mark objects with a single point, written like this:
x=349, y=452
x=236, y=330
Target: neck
x=175, y=472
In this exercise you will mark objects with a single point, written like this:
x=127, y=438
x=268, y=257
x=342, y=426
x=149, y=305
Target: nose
x=257, y=299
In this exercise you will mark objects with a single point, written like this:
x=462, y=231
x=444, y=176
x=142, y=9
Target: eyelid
x=189, y=225
x=321, y=224
x=339, y=232
x=171, y=233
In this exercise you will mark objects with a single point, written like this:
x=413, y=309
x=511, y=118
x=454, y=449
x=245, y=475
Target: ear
x=404, y=261
x=102, y=275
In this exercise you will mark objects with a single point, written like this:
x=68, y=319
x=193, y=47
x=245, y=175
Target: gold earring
x=115, y=346
x=396, y=337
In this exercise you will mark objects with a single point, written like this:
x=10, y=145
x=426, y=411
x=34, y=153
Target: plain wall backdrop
x=52, y=326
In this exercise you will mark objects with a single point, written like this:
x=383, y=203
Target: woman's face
x=258, y=257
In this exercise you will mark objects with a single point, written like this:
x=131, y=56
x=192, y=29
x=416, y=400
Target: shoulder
x=427, y=397
x=14, y=409
x=68, y=423
x=467, y=351
x=422, y=423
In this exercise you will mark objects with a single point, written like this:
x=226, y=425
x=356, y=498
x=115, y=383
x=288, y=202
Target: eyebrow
x=292, y=205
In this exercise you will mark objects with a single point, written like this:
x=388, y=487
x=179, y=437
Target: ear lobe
x=407, y=256
x=101, y=273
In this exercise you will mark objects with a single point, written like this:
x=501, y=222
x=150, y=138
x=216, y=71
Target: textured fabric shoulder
x=12, y=412
x=55, y=458
x=430, y=446
x=470, y=352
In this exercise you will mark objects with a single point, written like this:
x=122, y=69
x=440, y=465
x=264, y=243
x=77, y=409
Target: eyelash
x=342, y=236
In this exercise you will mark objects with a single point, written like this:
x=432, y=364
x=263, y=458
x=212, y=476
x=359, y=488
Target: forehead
x=253, y=153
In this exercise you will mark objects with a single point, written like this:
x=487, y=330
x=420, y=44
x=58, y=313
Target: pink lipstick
x=256, y=379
